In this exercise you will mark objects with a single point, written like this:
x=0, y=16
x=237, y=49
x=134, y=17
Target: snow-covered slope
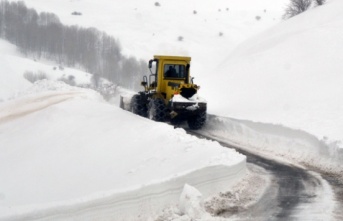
x=12, y=80
x=65, y=150
x=65, y=146
x=209, y=29
x=287, y=75
x=89, y=156
x=14, y=65
x=290, y=74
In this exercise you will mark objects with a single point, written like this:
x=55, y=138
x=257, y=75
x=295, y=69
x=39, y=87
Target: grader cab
x=170, y=94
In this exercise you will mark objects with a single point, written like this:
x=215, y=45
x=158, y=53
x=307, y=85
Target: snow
x=190, y=202
x=290, y=74
x=15, y=82
x=272, y=87
x=195, y=98
x=277, y=142
x=254, y=76
x=145, y=30
x=75, y=149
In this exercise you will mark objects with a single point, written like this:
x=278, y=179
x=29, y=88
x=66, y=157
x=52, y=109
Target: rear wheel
x=197, y=121
x=138, y=105
x=157, y=110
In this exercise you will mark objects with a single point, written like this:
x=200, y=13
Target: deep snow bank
x=290, y=74
x=66, y=154
x=277, y=141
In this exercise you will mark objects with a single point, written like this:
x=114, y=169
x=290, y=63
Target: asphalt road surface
x=295, y=193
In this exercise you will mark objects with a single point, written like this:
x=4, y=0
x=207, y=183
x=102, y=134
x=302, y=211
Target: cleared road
x=294, y=193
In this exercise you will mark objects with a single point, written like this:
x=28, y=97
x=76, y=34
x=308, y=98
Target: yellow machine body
x=166, y=86
x=169, y=93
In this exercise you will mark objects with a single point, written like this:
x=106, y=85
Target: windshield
x=174, y=71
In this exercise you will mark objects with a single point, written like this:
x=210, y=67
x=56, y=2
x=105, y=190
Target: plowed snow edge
x=139, y=204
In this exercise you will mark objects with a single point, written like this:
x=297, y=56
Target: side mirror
x=144, y=83
x=150, y=63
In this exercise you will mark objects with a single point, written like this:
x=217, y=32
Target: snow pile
x=194, y=98
x=190, y=207
x=242, y=196
x=276, y=141
x=67, y=154
x=190, y=202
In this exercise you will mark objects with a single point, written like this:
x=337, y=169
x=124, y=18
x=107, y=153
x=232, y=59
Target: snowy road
x=294, y=193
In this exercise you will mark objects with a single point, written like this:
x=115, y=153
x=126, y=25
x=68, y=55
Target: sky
x=259, y=94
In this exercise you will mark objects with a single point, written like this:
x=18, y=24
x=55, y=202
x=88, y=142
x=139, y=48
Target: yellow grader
x=170, y=94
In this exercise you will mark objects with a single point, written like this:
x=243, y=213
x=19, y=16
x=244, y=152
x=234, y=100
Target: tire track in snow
x=31, y=105
x=335, y=181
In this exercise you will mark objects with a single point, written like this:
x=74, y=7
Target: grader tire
x=138, y=106
x=197, y=121
x=157, y=110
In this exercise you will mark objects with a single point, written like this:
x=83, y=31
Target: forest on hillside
x=42, y=35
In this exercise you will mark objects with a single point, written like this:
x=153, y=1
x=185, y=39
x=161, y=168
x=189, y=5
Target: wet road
x=290, y=187
x=294, y=193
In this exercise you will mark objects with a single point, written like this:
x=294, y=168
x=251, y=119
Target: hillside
x=65, y=149
x=273, y=86
x=208, y=30
x=290, y=74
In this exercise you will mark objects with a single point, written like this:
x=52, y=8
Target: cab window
x=174, y=71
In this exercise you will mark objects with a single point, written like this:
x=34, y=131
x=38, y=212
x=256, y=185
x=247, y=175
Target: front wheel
x=197, y=121
x=157, y=110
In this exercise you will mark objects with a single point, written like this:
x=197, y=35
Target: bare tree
x=95, y=80
x=296, y=7
x=320, y=2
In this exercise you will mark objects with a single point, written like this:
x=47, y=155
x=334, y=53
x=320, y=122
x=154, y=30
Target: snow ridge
x=277, y=141
x=68, y=155
x=138, y=204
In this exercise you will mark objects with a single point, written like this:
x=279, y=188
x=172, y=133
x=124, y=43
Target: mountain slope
x=290, y=74
x=145, y=29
